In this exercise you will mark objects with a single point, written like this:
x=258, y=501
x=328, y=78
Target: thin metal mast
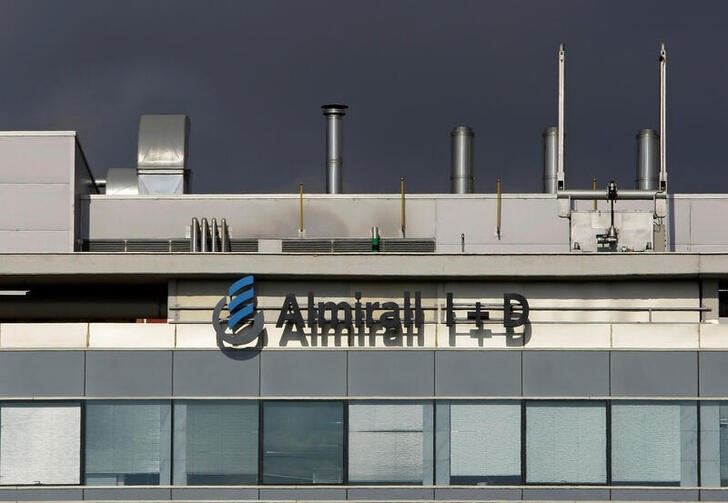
x=561, y=120
x=663, y=118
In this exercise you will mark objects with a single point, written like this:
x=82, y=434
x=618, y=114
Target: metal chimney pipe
x=648, y=160
x=195, y=235
x=213, y=235
x=461, y=175
x=204, y=236
x=550, y=160
x=334, y=153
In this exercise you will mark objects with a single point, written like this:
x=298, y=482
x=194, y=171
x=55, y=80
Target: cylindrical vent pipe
x=648, y=160
x=204, y=236
x=195, y=235
x=550, y=162
x=214, y=235
x=334, y=153
x=461, y=175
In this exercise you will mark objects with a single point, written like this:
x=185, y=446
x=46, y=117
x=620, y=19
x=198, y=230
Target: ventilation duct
x=461, y=175
x=162, y=154
x=648, y=160
x=334, y=153
x=550, y=160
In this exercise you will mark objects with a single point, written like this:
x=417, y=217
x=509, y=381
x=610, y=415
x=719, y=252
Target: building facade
x=462, y=347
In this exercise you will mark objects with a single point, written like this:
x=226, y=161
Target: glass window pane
x=654, y=443
x=303, y=442
x=127, y=443
x=390, y=442
x=40, y=443
x=566, y=442
x=215, y=442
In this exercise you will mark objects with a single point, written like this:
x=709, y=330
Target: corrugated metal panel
x=352, y=245
x=408, y=245
x=306, y=246
x=244, y=245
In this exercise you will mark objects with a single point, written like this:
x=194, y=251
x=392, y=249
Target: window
x=390, y=443
x=303, y=442
x=566, y=442
x=714, y=444
x=40, y=443
x=478, y=443
x=127, y=443
x=215, y=442
x=654, y=443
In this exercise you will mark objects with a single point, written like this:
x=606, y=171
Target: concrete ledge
x=43, y=335
x=655, y=336
x=131, y=335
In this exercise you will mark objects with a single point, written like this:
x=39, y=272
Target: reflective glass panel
x=215, y=442
x=390, y=443
x=566, y=442
x=128, y=442
x=303, y=442
x=654, y=443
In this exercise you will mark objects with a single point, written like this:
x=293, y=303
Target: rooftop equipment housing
x=334, y=152
x=461, y=176
x=162, y=154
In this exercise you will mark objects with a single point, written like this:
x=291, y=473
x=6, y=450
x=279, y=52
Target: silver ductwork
x=461, y=174
x=334, y=153
x=122, y=182
x=550, y=160
x=648, y=160
x=162, y=154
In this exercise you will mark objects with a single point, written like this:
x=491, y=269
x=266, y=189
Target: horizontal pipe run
x=631, y=195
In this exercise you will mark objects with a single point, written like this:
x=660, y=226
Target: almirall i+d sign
x=311, y=321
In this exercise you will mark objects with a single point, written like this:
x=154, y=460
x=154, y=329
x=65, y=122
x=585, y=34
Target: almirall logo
x=243, y=324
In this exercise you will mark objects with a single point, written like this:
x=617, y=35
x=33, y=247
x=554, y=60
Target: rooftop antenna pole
x=560, y=133
x=663, y=121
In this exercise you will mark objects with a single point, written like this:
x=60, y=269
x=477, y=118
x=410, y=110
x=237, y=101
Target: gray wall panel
x=462, y=494
x=654, y=373
x=9, y=494
x=655, y=495
x=303, y=493
x=116, y=493
x=566, y=373
x=128, y=373
x=391, y=373
x=49, y=494
x=393, y=494
x=41, y=373
x=303, y=373
x=216, y=373
x=717, y=495
x=566, y=493
x=209, y=493
x=713, y=373
x=477, y=373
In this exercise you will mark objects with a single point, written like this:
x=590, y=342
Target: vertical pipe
x=334, y=155
x=213, y=235
x=498, y=208
x=462, y=242
x=461, y=171
x=648, y=154
x=300, y=208
x=224, y=237
x=403, y=215
x=594, y=187
x=204, y=236
x=550, y=162
x=663, y=118
x=561, y=183
x=195, y=235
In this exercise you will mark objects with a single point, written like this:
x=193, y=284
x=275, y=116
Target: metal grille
x=244, y=245
x=408, y=245
x=352, y=245
x=306, y=246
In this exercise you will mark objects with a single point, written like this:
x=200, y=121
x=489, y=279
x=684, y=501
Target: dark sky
x=252, y=76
